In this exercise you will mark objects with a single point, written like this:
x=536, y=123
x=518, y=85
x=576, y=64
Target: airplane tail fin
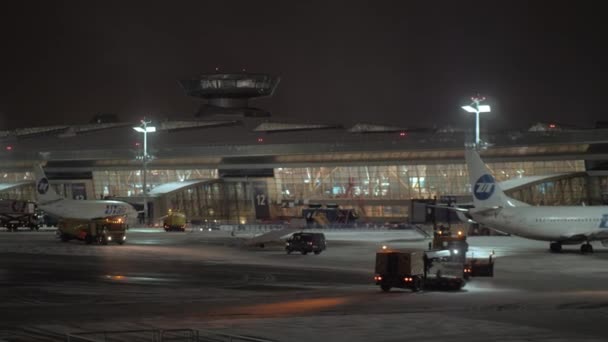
x=486, y=191
x=44, y=191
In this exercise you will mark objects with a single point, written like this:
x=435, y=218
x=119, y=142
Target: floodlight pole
x=143, y=128
x=476, y=108
x=476, y=102
x=145, y=169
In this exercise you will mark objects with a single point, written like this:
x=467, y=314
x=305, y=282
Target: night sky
x=403, y=63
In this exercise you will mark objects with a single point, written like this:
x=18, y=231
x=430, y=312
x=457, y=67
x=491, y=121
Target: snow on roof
x=367, y=128
x=280, y=126
x=183, y=124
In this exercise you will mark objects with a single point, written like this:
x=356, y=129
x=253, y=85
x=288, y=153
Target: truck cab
x=175, y=221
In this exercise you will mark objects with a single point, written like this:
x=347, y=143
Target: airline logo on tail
x=484, y=187
x=42, y=186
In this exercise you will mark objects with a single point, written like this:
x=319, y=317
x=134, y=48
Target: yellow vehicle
x=100, y=231
x=175, y=220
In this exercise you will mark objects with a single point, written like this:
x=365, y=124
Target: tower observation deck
x=229, y=93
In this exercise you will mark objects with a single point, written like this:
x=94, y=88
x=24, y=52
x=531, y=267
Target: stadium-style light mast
x=145, y=129
x=476, y=107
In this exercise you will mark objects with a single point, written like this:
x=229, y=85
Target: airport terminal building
x=234, y=163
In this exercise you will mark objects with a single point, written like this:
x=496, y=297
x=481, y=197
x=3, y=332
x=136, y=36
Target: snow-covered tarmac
x=207, y=280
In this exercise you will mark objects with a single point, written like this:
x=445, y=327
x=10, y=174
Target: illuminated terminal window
x=565, y=190
x=376, y=191
x=397, y=182
x=15, y=177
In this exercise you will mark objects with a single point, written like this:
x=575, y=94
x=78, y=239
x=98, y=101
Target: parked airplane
x=52, y=203
x=560, y=225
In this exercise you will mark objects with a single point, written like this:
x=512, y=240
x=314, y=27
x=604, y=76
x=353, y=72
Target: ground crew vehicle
x=100, y=231
x=306, y=243
x=475, y=267
x=417, y=270
x=17, y=213
x=444, y=239
x=454, y=247
x=175, y=220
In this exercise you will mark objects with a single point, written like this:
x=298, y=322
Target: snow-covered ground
x=208, y=280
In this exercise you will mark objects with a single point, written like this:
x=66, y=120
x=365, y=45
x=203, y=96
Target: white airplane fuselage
x=82, y=209
x=545, y=223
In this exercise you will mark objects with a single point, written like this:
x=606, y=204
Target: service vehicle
x=100, y=231
x=443, y=238
x=417, y=270
x=454, y=247
x=18, y=213
x=175, y=220
x=305, y=243
x=477, y=267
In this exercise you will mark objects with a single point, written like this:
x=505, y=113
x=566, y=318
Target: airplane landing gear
x=555, y=247
x=587, y=248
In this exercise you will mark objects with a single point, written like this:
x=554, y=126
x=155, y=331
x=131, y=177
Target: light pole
x=476, y=108
x=145, y=129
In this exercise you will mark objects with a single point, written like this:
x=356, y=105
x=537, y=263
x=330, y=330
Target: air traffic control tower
x=229, y=93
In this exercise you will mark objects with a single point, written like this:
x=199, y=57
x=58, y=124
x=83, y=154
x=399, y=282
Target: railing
x=159, y=335
x=210, y=336
x=153, y=335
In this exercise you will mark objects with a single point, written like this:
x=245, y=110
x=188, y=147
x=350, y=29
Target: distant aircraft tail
x=486, y=191
x=44, y=191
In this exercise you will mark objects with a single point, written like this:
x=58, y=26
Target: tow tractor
x=454, y=247
x=443, y=267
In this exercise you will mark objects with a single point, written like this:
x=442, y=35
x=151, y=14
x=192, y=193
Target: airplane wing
x=271, y=236
x=462, y=217
x=486, y=211
x=483, y=211
x=460, y=212
x=464, y=210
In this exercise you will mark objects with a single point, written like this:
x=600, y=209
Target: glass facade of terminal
x=15, y=177
x=220, y=201
x=575, y=190
x=376, y=192
x=25, y=192
x=379, y=192
x=568, y=191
